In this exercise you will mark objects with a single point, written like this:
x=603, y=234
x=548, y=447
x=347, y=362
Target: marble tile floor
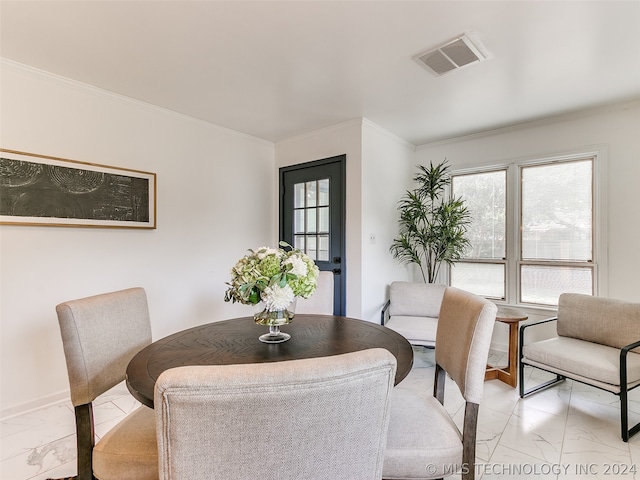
x=570, y=431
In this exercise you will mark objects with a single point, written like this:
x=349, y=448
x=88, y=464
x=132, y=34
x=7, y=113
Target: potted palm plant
x=433, y=228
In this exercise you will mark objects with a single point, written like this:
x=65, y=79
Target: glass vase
x=274, y=320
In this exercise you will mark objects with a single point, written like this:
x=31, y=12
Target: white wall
x=211, y=185
x=387, y=172
x=616, y=129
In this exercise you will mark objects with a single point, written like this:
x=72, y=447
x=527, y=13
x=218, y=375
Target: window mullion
x=514, y=234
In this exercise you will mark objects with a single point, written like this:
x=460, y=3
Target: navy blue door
x=312, y=215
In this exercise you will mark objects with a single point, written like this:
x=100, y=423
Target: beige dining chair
x=423, y=441
x=321, y=301
x=100, y=335
x=313, y=419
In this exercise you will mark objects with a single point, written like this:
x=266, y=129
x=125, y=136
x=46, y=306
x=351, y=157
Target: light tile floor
x=571, y=431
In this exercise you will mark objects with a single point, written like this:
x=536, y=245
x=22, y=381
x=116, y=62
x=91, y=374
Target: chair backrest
x=321, y=301
x=415, y=299
x=100, y=335
x=606, y=321
x=311, y=419
x=463, y=339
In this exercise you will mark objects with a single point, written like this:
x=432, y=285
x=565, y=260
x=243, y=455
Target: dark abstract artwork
x=47, y=190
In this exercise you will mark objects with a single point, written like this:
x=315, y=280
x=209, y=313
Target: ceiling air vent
x=453, y=55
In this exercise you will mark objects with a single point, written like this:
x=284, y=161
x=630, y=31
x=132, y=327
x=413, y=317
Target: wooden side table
x=508, y=374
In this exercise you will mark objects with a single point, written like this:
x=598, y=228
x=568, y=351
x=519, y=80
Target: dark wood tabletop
x=236, y=341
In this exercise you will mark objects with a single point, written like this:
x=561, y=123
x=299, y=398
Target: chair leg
x=627, y=432
x=624, y=415
x=439, y=383
x=537, y=388
x=520, y=369
x=85, y=441
x=469, y=440
x=521, y=365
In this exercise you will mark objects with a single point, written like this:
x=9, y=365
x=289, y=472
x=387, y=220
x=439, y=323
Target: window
x=484, y=269
x=556, y=231
x=533, y=230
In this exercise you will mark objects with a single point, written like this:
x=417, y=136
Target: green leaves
x=432, y=228
x=432, y=180
x=264, y=273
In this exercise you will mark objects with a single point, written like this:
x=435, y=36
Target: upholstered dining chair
x=314, y=419
x=423, y=441
x=321, y=301
x=100, y=335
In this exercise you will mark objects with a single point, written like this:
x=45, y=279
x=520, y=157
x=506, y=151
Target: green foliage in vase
x=272, y=275
x=433, y=228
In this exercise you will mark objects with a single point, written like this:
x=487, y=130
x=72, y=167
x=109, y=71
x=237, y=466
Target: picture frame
x=44, y=190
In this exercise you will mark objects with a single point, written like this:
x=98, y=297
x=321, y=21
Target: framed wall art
x=42, y=190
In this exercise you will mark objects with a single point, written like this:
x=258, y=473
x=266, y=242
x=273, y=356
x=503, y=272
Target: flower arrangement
x=274, y=276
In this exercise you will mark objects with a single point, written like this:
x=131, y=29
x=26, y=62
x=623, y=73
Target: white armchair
x=597, y=344
x=413, y=310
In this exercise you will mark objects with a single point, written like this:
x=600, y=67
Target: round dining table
x=235, y=341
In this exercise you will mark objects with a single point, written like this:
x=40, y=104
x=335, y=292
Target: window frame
x=513, y=217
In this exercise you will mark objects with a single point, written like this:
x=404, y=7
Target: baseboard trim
x=32, y=405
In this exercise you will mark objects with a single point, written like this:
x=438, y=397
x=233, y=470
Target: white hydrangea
x=298, y=266
x=277, y=298
x=263, y=252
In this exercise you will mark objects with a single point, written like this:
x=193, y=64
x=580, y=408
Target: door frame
x=340, y=281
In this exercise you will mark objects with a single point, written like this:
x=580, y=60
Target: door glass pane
x=323, y=219
x=311, y=194
x=485, y=196
x=298, y=195
x=485, y=279
x=323, y=248
x=311, y=220
x=298, y=221
x=557, y=211
x=311, y=247
x=323, y=192
x=298, y=241
x=543, y=284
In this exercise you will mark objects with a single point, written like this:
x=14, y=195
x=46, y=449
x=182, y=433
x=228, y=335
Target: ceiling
x=277, y=69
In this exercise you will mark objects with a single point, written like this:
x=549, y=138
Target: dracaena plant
x=433, y=226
